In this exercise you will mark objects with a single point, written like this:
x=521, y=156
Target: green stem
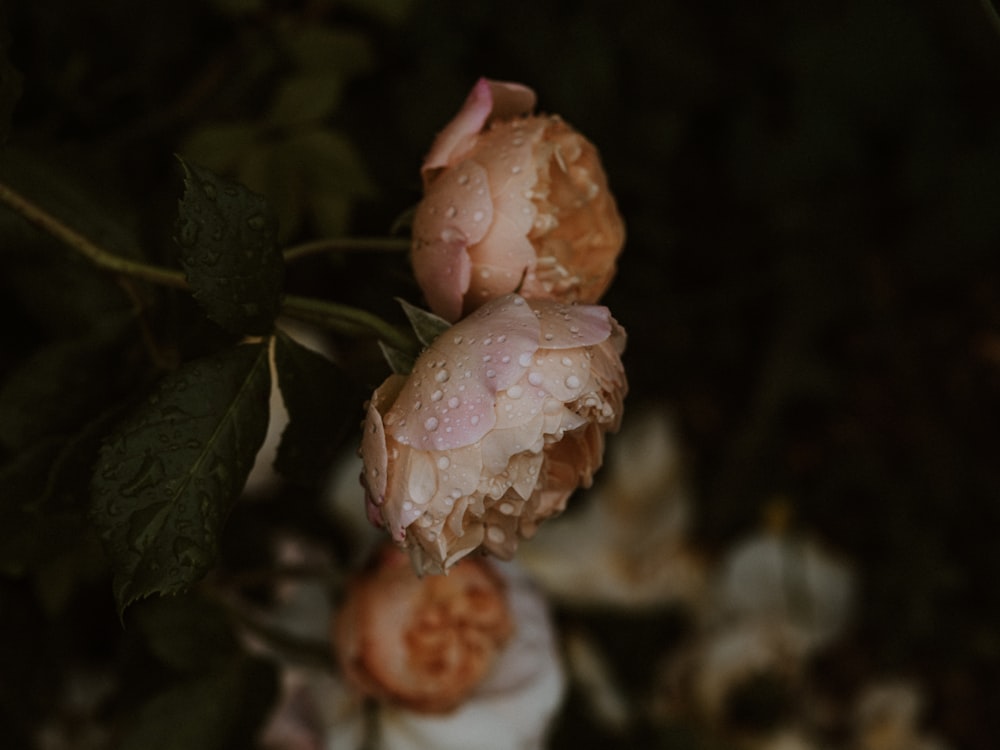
x=347, y=320
x=342, y=244
x=96, y=255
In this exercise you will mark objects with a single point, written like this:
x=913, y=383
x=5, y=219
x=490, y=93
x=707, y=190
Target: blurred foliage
x=811, y=279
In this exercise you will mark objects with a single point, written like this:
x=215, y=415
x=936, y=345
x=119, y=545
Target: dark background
x=811, y=280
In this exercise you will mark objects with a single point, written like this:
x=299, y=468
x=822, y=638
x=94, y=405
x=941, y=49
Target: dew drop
x=453, y=402
x=524, y=360
x=443, y=463
x=451, y=212
x=515, y=169
x=463, y=179
x=442, y=376
x=474, y=419
x=515, y=391
x=549, y=336
x=431, y=424
x=457, y=340
x=567, y=362
x=491, y=373
x=478, y=216
x=535, y=378
x=496, y=535
x=506, y=508
x=573, y=382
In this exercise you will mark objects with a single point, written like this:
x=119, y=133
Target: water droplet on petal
x=431, y=424
x=453, y=402
x=443, y=462
x=496, y=535
x=572, y=382
x=535, y=378
x=525, y=359
x=515, y=391
x=441, y=376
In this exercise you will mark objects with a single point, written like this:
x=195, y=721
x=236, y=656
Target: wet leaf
x=426, y=325
x=228, y=241
x=168, y=475
x=322, y=406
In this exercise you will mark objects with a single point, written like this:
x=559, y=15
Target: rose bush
x=512, y=202
x=502, y=418
x=421, y=643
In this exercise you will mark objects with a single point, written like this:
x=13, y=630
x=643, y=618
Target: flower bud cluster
x=503, y=416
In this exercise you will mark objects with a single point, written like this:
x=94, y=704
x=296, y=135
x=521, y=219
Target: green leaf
x=322, y=406
x=400, y=362
x=168, y=476
x=305, y=98
x=56, y=389
x=188, y=633
x=219, y=710
x=229, y=251
x=426, y=325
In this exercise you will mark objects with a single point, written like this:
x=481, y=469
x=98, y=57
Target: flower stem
x=347, y=320
x=344, y=319
x=343, y=244
x=100, y=257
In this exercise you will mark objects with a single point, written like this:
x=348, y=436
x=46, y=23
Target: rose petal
x=565, y=326
x=487, y=99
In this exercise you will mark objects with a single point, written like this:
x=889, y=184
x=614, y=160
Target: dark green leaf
x=187, y=633
x=213, y=712
x=43, y=499
x=58, y=387
x=168, y=476
x=426, y=325
x=400, y=362
x=228, y=241
x=322, y=406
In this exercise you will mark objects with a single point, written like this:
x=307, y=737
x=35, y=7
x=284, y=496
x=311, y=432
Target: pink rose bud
x=512, y=202
x=502, y=418
x=421, y=643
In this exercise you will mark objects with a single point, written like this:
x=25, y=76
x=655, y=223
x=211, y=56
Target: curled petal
x=487, y=98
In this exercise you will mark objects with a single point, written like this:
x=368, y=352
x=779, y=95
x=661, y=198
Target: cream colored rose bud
x=502, y=418
x=421, y=643
x=512, y=201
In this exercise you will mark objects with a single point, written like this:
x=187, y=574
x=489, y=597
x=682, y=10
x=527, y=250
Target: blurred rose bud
x=421, y=643
x=512, y=202
x=502, y=418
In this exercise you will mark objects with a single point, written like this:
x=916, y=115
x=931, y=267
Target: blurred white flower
x=510, y=710
x=787, y=583
x=626, y=545
x=776, y=599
